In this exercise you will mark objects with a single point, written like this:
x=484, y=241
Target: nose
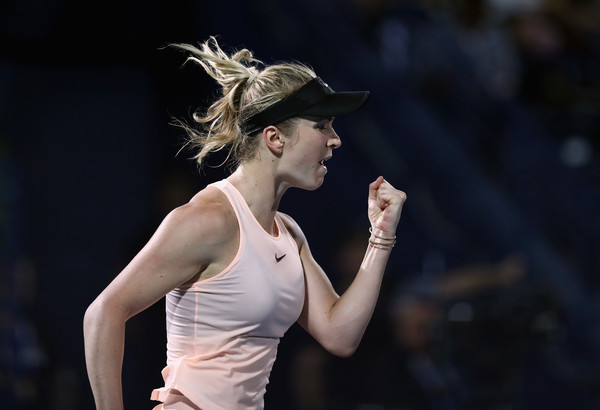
x=335, y=141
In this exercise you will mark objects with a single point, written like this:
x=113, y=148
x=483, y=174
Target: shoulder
x=294, y=229
x=208, y=216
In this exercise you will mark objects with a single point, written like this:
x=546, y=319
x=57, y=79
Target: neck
x=260, y=190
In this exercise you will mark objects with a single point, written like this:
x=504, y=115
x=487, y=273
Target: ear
x=273, y=138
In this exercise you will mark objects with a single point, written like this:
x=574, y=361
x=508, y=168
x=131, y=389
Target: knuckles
x=388, y=193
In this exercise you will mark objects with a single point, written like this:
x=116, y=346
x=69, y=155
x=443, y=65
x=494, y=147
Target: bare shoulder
x=208, y=216
x=194, y=239
x=294, y=229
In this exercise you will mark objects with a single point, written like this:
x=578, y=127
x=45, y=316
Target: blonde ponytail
x=245, y=90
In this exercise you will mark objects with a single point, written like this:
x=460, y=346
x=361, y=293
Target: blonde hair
x=245, y=90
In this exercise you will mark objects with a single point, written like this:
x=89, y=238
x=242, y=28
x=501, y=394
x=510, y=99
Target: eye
x=324, y=123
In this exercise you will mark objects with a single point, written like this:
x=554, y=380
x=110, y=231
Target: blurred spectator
x=423, y=366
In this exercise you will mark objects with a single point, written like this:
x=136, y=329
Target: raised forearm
x=338, y=323
x=352, y=312
x=104, y=334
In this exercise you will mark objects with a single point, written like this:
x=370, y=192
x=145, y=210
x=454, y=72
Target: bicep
x=172, y=256
x=320, y=296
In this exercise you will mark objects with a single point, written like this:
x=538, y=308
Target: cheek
x=309, y=163
x=305, y=157
x=307, y=160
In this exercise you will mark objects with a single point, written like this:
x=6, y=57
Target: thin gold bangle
x=381, y=237
x=378, y=246
x=384, y=244
x=387, y=243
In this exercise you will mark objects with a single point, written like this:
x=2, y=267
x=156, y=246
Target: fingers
x=374, y=186
x=385, y=194
x=385, y=206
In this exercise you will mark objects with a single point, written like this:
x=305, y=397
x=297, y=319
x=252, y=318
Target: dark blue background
x=489, y=120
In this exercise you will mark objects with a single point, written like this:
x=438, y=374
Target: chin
x=313, y=186
x=317, y=184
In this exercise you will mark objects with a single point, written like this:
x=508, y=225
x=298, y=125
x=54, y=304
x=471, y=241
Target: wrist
x=381, y=240
x=381, y=234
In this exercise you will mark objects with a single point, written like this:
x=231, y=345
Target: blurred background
x=486, y=112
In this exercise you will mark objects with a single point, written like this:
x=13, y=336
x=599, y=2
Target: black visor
x=314, y=98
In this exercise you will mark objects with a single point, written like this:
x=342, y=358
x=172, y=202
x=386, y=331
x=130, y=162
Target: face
x=305, y=152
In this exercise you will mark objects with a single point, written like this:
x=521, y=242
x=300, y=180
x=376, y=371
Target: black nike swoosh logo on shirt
x=278, y=259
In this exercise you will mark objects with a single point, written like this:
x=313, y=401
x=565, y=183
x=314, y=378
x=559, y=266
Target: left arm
x=339, y=322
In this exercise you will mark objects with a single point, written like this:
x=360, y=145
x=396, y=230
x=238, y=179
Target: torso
x=226, y=231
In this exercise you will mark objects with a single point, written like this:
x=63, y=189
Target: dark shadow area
x=487, y=113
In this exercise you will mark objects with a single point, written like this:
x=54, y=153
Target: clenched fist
x=385, y=207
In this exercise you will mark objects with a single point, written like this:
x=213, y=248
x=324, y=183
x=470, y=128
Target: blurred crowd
x=486, y=112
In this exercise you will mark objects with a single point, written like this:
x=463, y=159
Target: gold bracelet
x=381, y=245
x=381, y=237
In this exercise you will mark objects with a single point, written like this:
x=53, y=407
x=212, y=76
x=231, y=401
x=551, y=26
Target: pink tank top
x=223, y=332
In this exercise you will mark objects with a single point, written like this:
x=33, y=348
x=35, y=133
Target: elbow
x=338, y=341
x=341, y=349
x=344, y=353
x=92, y=317
x=98, y=314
